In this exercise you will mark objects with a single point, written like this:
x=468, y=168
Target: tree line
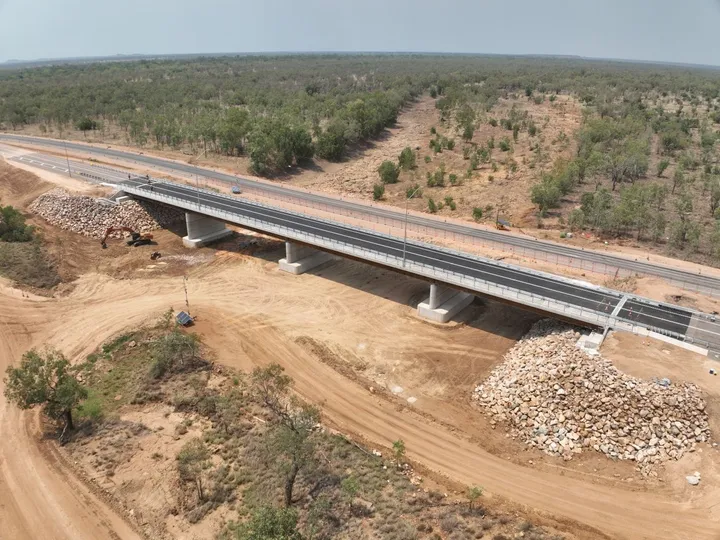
x=285, y=110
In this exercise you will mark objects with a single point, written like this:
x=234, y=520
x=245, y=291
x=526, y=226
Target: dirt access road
x=260, y=323
x=38, y=498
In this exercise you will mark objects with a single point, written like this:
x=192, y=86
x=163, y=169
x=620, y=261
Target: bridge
x=455, y=277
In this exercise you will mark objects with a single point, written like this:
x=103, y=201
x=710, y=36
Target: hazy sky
x=664, y=30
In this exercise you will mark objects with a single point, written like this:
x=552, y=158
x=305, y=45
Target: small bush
x=662, y=165
x=439, y=177
x=450, y=144
x=378, y=192
x=389, y=172
x=493, y=122
x=175, y=351
x=428, y=159
x=453, y=179
x=432, y=207
x=449, y=522
x=505, y=145
x=491, y=143
x=413, y=192
x=407, y=159
x=477, y=213
x=13, y=227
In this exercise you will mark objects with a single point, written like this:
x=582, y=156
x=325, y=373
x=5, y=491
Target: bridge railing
x=428, y=271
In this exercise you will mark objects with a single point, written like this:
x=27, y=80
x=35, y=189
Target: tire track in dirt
x=244, y=331
x=38, y=500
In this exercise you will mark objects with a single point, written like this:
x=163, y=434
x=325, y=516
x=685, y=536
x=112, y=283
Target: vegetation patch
x=249, y=449
x=22, y=256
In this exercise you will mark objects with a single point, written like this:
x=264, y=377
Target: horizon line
x=120, y=56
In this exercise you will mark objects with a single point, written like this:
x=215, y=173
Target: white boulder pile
x=563, y=401
x=90, y=217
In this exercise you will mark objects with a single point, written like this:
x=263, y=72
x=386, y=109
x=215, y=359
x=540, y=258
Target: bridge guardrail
x=449, y=277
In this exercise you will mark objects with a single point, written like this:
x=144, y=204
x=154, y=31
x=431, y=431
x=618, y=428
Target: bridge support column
x=202, y=230
x=444, y=303
x=299, y=259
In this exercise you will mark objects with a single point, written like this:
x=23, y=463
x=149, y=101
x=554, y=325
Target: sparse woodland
x=238, y=451
x=643, y=163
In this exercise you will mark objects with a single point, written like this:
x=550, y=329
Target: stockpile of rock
x=563, y=401
x=90, y=217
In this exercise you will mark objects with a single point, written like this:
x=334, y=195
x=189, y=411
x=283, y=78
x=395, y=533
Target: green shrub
x=407, y=159
x=413, y=192
x=428, y=159
x=468, y=132
x=378, y=191
x=505, y=145
x=576, y=220
x=174, y=351
x=477, y=213
x=664, y=164
x=389, y=172
x=450, y=144
x=430, y=179
x=493, y=122
x=491, y=143
x=432, y=206
x=453, y=179
x=13, y=227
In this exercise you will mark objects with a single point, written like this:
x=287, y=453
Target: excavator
x=136, y=239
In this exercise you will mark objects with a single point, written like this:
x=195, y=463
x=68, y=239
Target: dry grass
x=28, y=264
x=241, y=477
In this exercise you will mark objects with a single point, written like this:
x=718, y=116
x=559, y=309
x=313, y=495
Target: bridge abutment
x=444, y=303
x=202, y=230
x=299, y=259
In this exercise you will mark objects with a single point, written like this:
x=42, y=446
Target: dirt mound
x=91, y=217
x=563, y=401
x=19, y=188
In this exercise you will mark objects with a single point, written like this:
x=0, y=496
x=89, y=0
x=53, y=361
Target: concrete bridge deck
x=555, y=295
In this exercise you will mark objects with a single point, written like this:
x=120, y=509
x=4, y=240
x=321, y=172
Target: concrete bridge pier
x=299, y=259
x=201, y=230
x=444, y=303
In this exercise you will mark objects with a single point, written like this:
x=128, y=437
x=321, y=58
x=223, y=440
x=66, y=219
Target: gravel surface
x=91, y=217
x=555, y=397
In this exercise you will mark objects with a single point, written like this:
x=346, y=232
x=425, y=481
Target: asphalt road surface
x=707, y=284
x=641, y=312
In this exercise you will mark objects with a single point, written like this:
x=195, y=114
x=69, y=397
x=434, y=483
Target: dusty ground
x=323, y=327
x=348, y=335
x=356, y=177
x=648, y=359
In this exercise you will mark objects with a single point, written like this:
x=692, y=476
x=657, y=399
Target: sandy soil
x=348, y=335
x=648, y=358
x=339, y=306
x=357, y=176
